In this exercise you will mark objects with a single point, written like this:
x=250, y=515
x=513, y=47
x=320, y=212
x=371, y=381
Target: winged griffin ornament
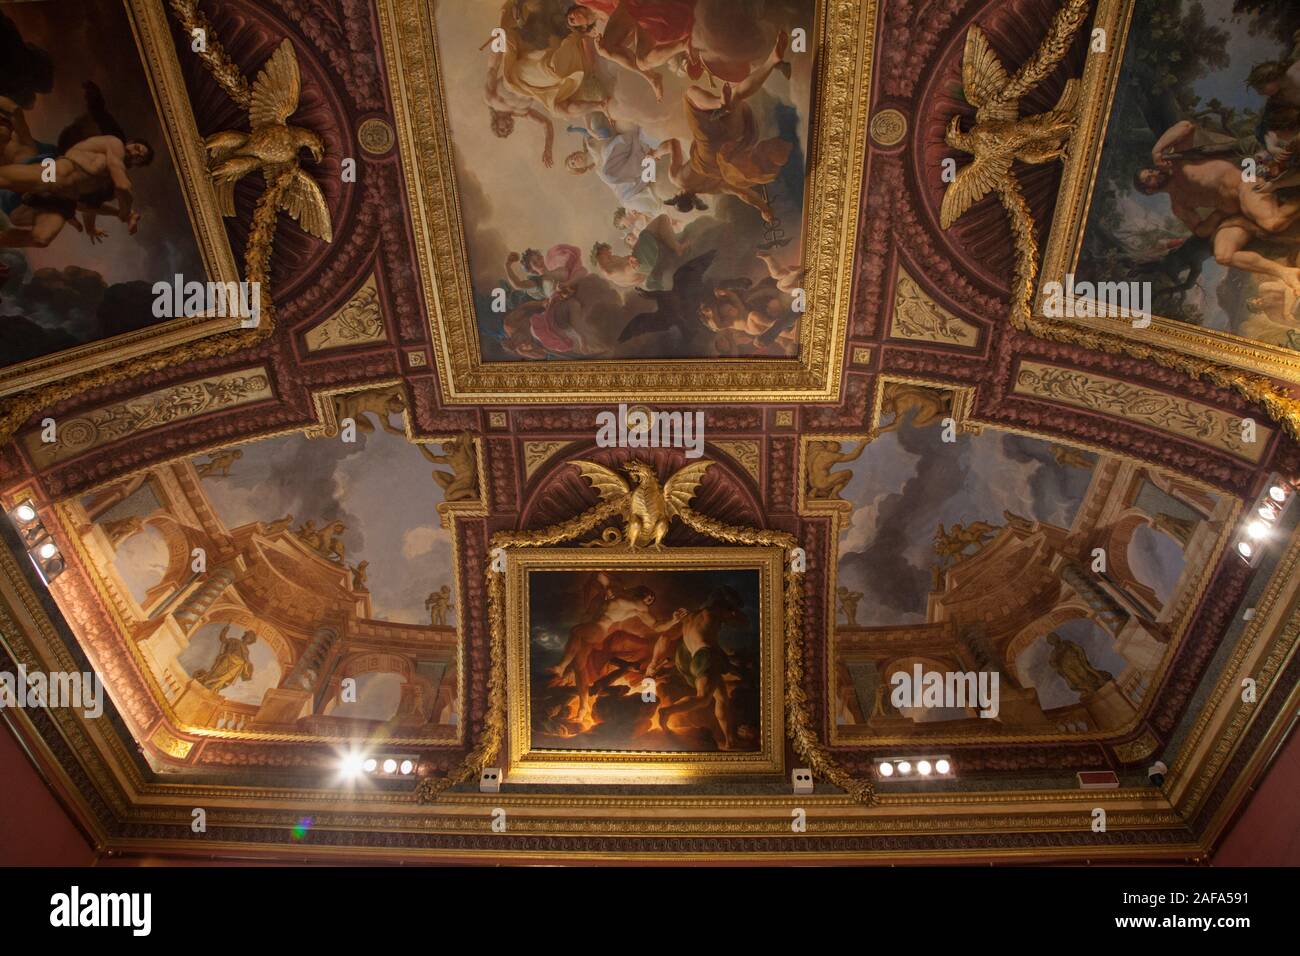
x=1000, y=134
x=272, y=146
x=647, y=509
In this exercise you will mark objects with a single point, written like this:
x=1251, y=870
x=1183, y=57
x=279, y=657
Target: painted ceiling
x=363, y=506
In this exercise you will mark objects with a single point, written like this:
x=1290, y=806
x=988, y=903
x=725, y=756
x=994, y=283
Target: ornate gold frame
x=1100, y=80
x=161, y=68
x=846, y=30
x=526, y=763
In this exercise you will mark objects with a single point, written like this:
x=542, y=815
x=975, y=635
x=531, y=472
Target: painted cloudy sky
x=380, y=487
x=909, y=481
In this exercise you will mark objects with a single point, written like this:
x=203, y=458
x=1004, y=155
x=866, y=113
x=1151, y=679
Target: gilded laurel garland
x=995, y=136
x=257, y=263
x=799, y=722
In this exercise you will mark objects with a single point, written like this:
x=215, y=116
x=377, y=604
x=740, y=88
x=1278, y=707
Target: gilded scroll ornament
x=1170, y=413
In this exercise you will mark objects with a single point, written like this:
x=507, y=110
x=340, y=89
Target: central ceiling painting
x=636, y=189
x=646, y=188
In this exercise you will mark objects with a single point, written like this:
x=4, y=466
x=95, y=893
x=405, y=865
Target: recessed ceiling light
x=942, y=766
x=407, y=766
x=904, y=767
x=25, y=513
x=370, y=765
x=923, y=767
x=390, y=765
x=1244, y=549
x=886, y=769
x=48, y=550
x=1277, y=493
x=1257, y=529
x=351, y=766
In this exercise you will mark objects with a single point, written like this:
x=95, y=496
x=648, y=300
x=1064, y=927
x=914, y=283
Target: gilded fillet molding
x=918, y=317
x=358, y=322
x=89, y=430
x=1169, y=413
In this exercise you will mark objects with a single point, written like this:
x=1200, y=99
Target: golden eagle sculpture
x=1000, y=135
x=646, y=508
x=272, y=146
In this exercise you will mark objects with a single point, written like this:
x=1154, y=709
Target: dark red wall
x=34, y=828
x=1267, y=832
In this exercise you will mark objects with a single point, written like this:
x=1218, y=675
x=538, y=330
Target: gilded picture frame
x=158, y=60
x=1064, y=244
x=836, y=157
x=527, y=762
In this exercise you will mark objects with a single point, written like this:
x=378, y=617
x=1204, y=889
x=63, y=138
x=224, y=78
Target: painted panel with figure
x=631, y=173
x=1196, y=186
x=643, y=668
x=102, y=188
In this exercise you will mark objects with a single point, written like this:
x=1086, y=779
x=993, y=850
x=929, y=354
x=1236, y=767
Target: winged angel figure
x=646, y=508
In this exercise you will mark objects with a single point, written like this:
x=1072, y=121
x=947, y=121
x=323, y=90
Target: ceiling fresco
x=646, y=406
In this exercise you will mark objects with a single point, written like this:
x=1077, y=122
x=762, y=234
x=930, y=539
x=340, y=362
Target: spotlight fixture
x=42, y=550
x=928, y=767
x=1254, y=537
x=356, y=764
x=352, y=766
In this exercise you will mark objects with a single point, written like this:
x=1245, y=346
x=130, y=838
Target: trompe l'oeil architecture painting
x=661, y=416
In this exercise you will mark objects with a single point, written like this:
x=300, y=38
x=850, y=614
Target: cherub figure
x=848, y=601
x=438, y=604
x=219, y=464
x=332, y=547
x=953, y=544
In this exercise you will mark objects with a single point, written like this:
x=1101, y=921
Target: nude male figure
x=702, y=661
x=86, y=168
x=1209, y=195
